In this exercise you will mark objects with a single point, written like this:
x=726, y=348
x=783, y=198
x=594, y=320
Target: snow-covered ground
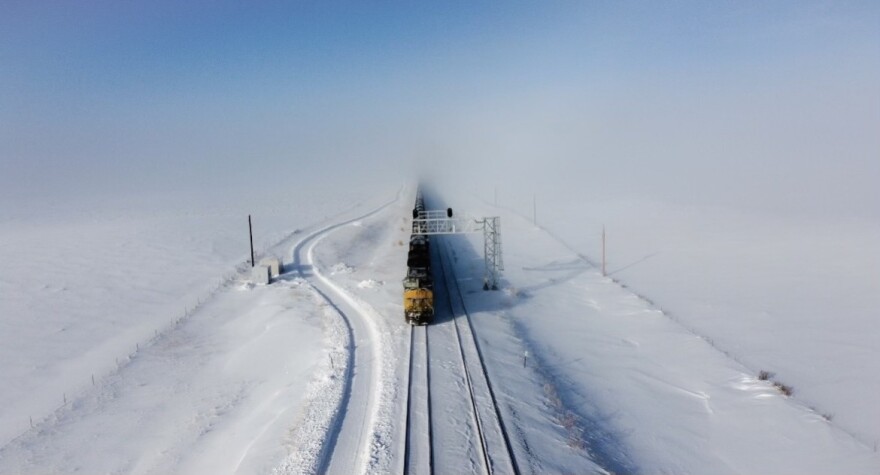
x=199, y=371
x=667, y=373
x=217, y=393
x=126, y=326
x=797, y=296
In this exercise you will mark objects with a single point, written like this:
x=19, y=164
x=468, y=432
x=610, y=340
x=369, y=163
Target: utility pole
x=251, y=232
x=603, y=251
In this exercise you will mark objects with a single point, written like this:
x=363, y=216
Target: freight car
x=418, y=285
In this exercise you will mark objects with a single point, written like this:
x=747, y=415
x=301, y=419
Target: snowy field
x=196, y=370
x=679, y=391
x=126, y=326
x=797, y=296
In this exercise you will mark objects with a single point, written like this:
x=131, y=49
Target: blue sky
x=153, y=94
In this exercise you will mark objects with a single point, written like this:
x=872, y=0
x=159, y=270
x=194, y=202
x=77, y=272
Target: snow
x=793, y=295
x=373, y=247
x=216, y=392
x=369, y=284
x=649, y=391
x=653, y=368
x=114, y=291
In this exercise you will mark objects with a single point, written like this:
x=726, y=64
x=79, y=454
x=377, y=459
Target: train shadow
x=559, y=272
x=590, y=427
x=443, y=312
x=468, y=268
x=596, y=431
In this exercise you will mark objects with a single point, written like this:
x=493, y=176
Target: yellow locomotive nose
x=418, y=305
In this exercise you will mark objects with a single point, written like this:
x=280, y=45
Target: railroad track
x=418, y=451
x=492, y=443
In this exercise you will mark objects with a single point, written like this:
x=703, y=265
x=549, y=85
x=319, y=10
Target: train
x=418, y=285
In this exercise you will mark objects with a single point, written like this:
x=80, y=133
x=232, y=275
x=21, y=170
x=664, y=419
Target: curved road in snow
x=347, y=445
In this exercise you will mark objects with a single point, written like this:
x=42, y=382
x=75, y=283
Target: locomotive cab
x=418, y=306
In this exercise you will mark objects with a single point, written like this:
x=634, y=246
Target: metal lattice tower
x=438, y=222
x=492, y=252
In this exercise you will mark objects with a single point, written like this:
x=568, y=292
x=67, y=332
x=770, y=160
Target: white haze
x=719, y=108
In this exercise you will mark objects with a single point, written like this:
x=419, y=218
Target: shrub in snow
x=764, y=375
x=576, y=443
x=552, y=396
x=783, y=388
x=568, y=420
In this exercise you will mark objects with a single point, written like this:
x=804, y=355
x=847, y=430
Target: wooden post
x=251, y=233
x=604, y=273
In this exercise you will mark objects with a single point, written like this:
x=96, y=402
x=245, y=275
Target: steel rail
x=428, y=396
x=408, y=435
x=467, y=374
x=406, y=417
x=449, y=276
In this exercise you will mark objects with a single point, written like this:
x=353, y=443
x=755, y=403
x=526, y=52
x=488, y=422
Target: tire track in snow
x=347, y=433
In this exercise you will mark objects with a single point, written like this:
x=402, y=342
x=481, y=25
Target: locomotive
x=418, y=285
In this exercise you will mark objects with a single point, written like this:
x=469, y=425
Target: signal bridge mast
x=438, y=222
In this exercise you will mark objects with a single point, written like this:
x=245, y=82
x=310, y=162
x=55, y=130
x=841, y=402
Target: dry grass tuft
x=783, y=388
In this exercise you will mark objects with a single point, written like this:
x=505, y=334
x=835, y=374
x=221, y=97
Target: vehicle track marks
x=346, y=447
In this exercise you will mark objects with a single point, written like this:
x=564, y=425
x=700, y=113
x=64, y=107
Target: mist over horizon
x=754, y=106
